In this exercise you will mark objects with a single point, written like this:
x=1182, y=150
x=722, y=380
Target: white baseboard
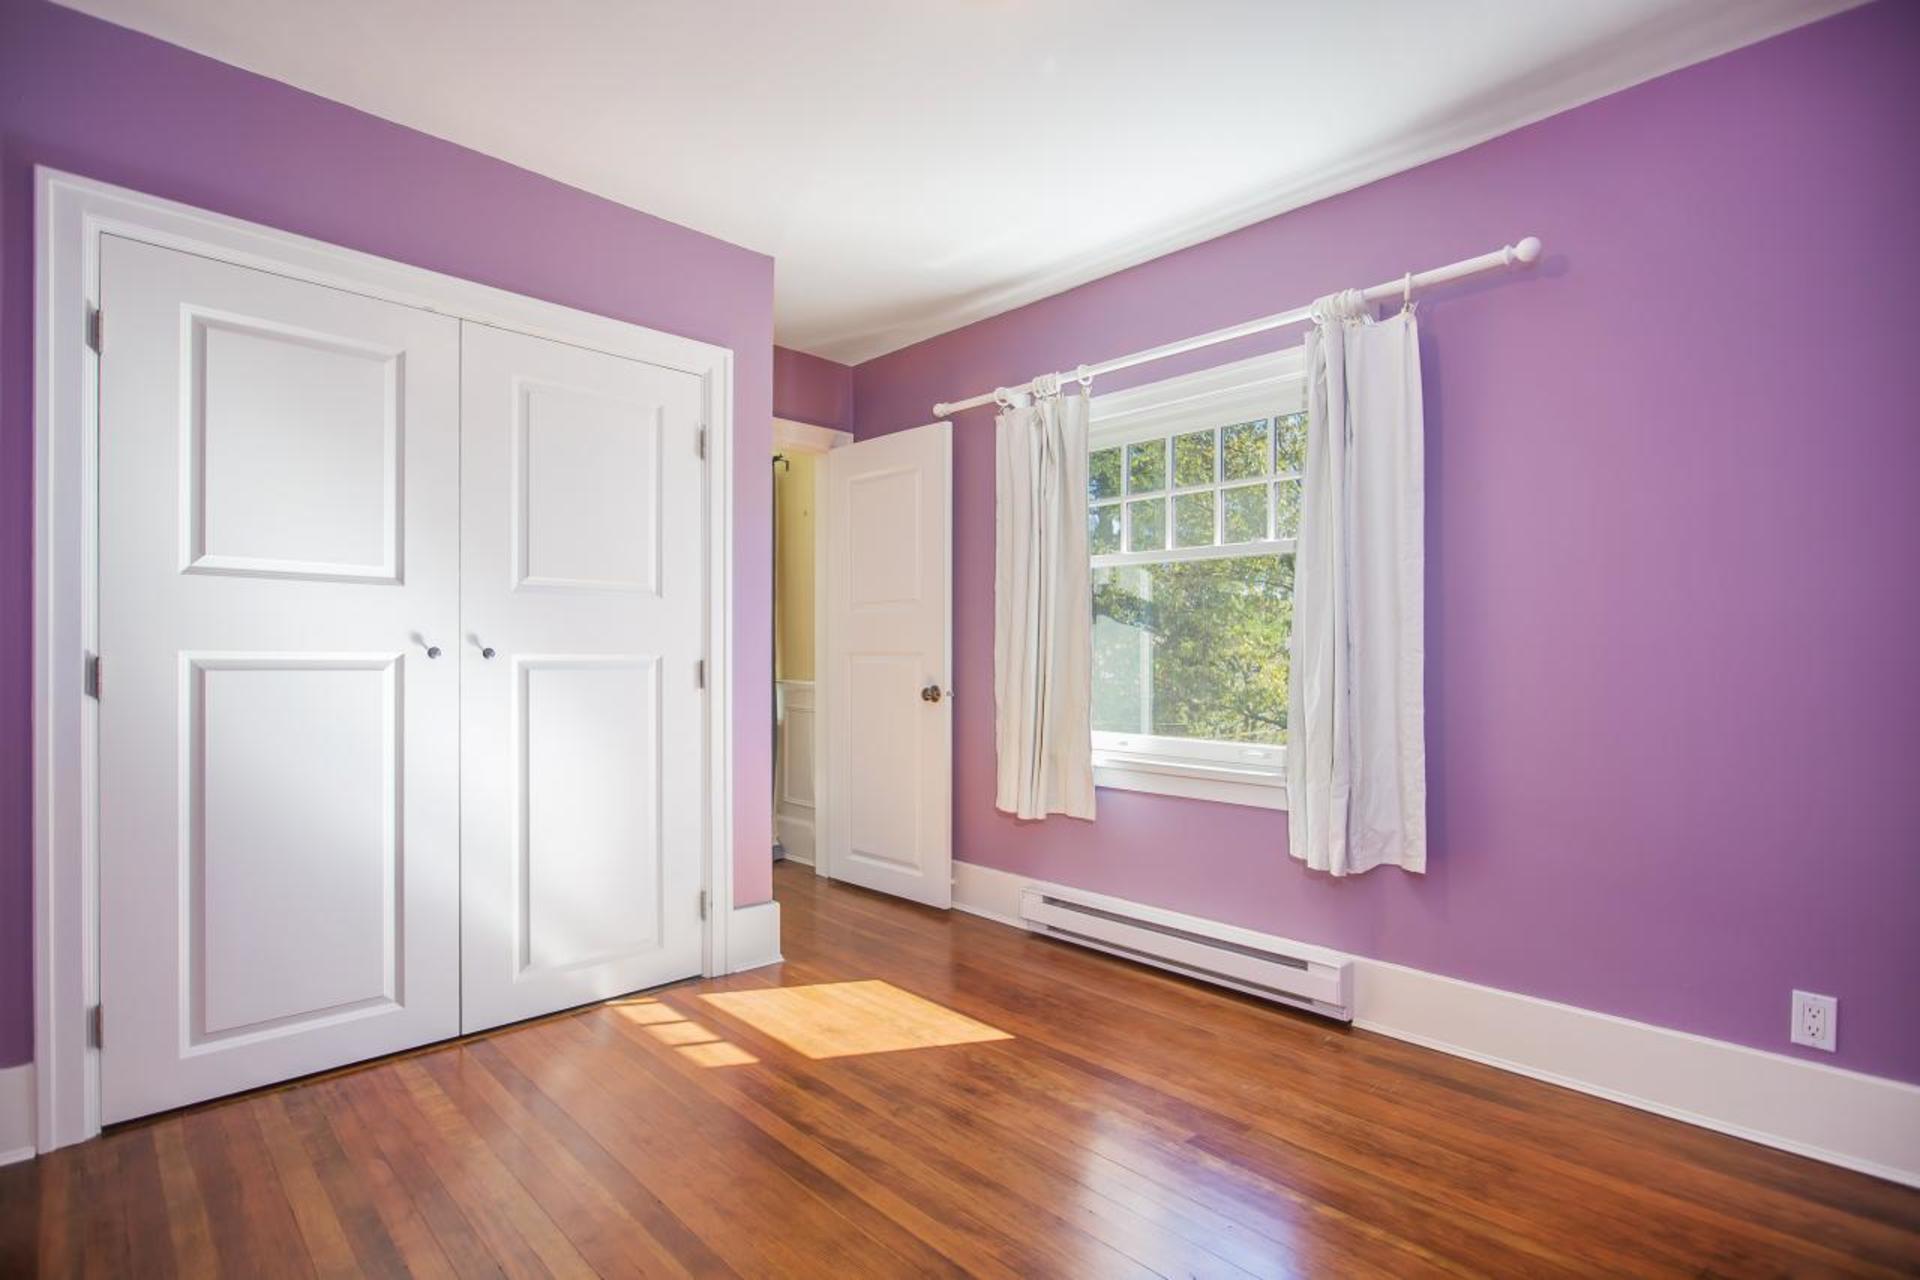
x=16, y=1113
x=1828, y=1113
x=753, y=936
x=794, y=831
x=983, y=891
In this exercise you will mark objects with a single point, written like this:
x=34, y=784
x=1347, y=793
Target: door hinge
x=96, y=1028
x=91, y=678
x=95, y=328
x=700, y=674
x=700, y=443
x=703, y=904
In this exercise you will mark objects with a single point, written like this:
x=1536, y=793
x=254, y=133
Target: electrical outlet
x=1816, y=1020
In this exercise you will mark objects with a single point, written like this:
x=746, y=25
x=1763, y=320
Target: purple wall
x=98, y=100
x=811, y=389
x=1673, y=543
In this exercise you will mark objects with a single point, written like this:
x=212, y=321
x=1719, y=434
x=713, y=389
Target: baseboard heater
x=1290, y=973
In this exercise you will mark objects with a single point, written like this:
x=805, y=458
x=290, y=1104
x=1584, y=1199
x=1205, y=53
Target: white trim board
x=754, y=937
x=71, y=216
x=16, y=1113
x=1827, y=1113
x=804, y=437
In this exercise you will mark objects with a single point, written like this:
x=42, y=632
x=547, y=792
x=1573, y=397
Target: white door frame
x=804, y=437
x=71, y=214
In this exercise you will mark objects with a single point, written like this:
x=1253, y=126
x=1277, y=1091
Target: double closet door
x=400, y=729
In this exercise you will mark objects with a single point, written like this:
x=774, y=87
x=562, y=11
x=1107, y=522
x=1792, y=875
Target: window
x=1193, y=508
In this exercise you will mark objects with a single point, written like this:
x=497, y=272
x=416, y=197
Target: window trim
x=1266, y=386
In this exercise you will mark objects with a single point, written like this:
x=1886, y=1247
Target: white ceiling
x=913, y=165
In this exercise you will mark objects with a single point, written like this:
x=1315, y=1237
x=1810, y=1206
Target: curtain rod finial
x=1527, y=251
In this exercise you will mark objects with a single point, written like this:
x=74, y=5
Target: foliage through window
x=1192, y=534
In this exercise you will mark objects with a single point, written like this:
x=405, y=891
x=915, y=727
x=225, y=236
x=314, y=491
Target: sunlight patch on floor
x=841, y=1019
x=669, y=1026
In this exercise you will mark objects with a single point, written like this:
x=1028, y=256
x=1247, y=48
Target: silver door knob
x=433, y=651
x=486, y=651
x=931, y=693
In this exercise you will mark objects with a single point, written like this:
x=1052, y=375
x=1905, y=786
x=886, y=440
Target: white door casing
x=887, y=668
x=583, y=742
x=279, y=841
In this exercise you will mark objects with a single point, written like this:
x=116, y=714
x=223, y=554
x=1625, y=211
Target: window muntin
x=1232, y=485
x=1193, y=510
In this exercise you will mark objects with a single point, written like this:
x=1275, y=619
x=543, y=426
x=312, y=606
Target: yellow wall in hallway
x=793, y=591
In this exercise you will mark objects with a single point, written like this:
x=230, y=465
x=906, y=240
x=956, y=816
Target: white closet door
x=889, y=701
x=279, y=858
x=582, y=738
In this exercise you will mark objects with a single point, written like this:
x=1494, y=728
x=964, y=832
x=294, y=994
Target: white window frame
x=1267, y=386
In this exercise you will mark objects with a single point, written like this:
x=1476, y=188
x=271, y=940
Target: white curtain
x=1356, y=701
x=1043, y=609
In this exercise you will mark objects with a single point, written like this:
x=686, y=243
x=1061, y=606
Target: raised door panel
x=293, y=804
x=589, y=855
x=294, y=457
x=582, y=737
x=588, y=473
x=279, y=827
x=881, y=816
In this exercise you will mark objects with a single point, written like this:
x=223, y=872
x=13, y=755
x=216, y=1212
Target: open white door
x=889, y=532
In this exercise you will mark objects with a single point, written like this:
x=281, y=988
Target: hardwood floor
x=935, y=1095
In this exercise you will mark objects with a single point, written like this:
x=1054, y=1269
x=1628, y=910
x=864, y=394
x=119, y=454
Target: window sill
x=1256, y=788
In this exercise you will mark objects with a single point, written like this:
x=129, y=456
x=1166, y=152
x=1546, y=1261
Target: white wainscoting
x=1842, y=1117
x=794, y=801
x=16, y=1113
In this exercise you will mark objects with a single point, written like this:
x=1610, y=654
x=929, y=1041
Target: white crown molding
x=1548, y=92
x=879, y=179
x=1857, y=1121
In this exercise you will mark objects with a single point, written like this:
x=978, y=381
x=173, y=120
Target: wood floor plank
x=918, y=1093
x=939, y=1099
x=611, y=1240
x=20, y=1253
x=1477, y=1172
x=189, y=1231
x=413, y=1239
x=841, y=1143
x=328, y=1249
x=719, y=1174
x=496, y=1203
x=465, y=1250
x=346, y=1189
x=137, y=1168
x=216, y=1154
x=688, y=1251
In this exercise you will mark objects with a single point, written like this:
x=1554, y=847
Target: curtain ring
x=1406, y=291
x=1084, y=376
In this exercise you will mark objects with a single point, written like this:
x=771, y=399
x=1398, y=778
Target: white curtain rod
x=1527, y=251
